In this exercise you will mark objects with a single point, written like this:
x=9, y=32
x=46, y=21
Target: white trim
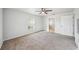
x=21, y=35
x=1, y=44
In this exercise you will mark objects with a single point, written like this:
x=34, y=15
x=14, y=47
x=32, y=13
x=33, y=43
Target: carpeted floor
x=41, y=41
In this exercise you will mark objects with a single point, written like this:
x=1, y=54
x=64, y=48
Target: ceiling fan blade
x=48, y=10
x=45, y=12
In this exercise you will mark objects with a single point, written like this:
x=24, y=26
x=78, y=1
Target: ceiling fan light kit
x=43, y=11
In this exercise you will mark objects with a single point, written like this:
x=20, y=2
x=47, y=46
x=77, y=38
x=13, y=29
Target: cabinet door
x=67, y=25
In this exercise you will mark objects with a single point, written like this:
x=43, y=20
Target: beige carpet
x=41, y=41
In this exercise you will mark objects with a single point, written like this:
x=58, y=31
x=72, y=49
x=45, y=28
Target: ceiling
x=55, y=10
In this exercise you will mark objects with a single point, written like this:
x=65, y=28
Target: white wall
x=38, y=23
x=58, y=22
x=16, y=23
x=76, y=16
x=1, y=32
x=46, y=22
x=64, y=24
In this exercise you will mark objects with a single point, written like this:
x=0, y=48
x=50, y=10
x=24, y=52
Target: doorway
x=51, y=25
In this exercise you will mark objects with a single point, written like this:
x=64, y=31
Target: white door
x=31, y=25
x=67, y=25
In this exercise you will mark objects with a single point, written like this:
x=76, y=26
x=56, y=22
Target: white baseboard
x=21, y=35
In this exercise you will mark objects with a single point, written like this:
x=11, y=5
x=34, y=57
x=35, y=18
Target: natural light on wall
x=50, y=21
x=32, y=22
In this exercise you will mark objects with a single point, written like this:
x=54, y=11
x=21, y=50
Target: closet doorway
x=51, y=25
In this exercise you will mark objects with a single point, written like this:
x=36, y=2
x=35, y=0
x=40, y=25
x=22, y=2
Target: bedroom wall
x=1, y=30
x=58, y=19
x=16, y=23
x=45, y=23
x=64, y=23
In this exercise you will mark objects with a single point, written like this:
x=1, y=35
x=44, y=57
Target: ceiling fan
x=44, y=11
